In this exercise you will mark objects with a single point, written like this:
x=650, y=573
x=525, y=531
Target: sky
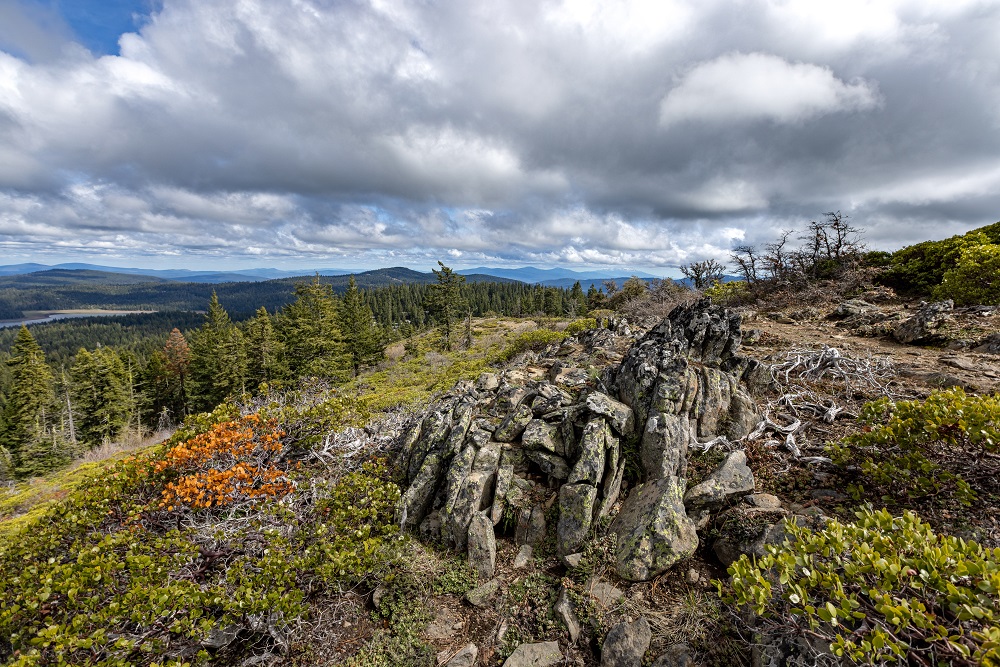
x=645, y=135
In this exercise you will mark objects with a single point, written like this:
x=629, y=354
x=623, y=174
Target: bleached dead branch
x=829, y=362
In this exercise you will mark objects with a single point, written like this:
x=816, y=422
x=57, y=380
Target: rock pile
x=527, y=447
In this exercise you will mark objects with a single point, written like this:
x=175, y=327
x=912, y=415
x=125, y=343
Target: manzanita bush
x=206, y=536
x=883, y=590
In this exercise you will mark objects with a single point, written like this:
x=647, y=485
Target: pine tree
x=102, y=395
x=309, y=330
x=361, y=334
x=263, y=350
x=577, y=301
x=445, y=302
x=30, y=405
x=176, y=364
x=218, y=364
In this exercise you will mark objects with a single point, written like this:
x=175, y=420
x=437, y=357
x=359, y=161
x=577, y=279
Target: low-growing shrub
x=535, y=340
x=925, y=448
x=581, y=325
x=732, y=293
x=883, y=590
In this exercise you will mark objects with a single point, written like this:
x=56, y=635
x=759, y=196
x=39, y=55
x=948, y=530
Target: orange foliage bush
x=227, y=463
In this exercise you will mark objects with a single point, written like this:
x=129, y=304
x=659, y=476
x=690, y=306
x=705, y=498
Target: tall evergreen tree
x=177, y=363
x=445, y=302
x=102, y=395
x=215, y=370
x=29, y=408
x=263, y=350
x=309, y=330
x=361, y=334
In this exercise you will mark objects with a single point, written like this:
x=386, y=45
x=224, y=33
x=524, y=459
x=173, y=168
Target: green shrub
x=975, y=278
x=535, y=340
x=732, y=293
x=911, y=448
x=581, y=325
x=880, y=591
x=919, y=268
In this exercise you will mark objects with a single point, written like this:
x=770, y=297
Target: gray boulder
x=626, y=644
x=482, y=594
x=464, y=658
x=552, y=465
x=542, y=436
x=589, y=466
x=653, y=529
x=618, y=414
x=577, y=503
x=564, y=610
x=922, y=326
x=482, y=546
x=512, y=426
x=544, y=654
x=731, y=479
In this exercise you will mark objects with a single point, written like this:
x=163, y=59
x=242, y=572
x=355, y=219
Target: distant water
x=67, y=316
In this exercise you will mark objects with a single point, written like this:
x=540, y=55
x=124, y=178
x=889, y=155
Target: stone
x=542, y=436
x=461, y=421
x=626, y=644
x=692, y=577
x=573, y=560
x=440, y=627
x=220, y=637
x=512, y=426
x=482, y=546
x=611, y=490
x=482, y=594
x=922, y=326
x=731, y=479
x=464, y=658
x=619, y=415
x=664, y=445
x=488, y=382
x=750, y=530
x=653, y=529
x=576, y=514
x=552, y=465
x=523, y=558
x=563, y=608
x=536, y=527
x=851, y=308
x=604, y=594
x=678, y=655
x=416, y=502
x=504, y=476
x=433, y=431
x=589, y=466
x=763, y=501
x=544, y=654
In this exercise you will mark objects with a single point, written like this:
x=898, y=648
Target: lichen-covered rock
x=552, y=465
x=589, y=466
x=731, y=479
x=545, y=654
x=664, y=445
x=563, y=608
x=505, y=476
x=626, y=644
x=748, y=530
x=922, y=326
x=576, y=514
x=482, y=546
x=417, y=499
x=619, y=415
x=462, y=415
x=464, y=658
x=433, y=431
x=540, y=435
x=481, y=595
x=653, y=529
x=512, y=426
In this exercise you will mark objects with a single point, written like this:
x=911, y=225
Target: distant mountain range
x=528, y=274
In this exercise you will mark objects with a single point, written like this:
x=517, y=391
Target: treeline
x=51, y=412
x=62, y=289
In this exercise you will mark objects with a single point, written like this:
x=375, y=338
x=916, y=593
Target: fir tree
x=29, y=407
x=176, y=364
x=263, y=350
x=361, y=334
x=214, y=367
x=102, y=395
x=309, y=330
x=445, y=302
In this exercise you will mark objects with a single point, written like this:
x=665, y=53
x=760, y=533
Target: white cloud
x=759, y=86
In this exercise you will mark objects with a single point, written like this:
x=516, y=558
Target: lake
x=68, y=315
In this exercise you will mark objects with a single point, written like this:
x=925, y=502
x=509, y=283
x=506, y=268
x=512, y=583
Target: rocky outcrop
x=923, y=325
x=505, y=450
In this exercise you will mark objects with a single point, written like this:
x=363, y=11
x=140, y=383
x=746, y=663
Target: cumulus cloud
x=759, y=86
x=642, y=134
